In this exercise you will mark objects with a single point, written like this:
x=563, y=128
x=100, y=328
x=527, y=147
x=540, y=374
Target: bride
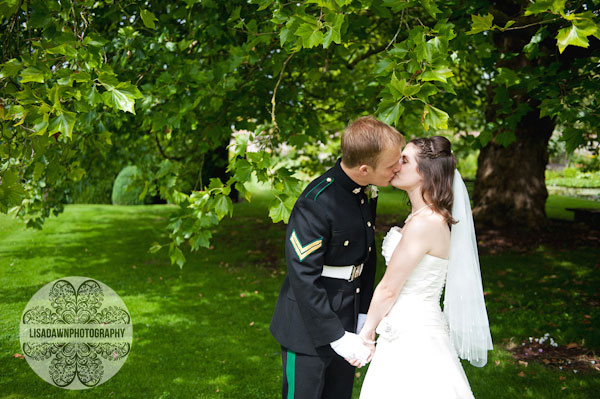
x=418, y=346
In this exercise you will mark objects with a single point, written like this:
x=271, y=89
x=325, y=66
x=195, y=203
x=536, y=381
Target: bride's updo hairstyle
x=436, y=164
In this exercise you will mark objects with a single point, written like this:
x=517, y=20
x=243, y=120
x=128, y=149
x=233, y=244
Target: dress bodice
x=419, y=299
x=427, y=279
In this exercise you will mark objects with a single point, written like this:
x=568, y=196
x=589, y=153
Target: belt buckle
x=356, y=270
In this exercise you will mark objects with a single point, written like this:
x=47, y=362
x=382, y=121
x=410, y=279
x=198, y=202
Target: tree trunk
x=510, y=188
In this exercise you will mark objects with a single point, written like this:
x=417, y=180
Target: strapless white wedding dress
x=415, y=358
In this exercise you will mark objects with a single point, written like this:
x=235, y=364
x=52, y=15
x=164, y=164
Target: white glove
x=351, y=346
x=362, y=317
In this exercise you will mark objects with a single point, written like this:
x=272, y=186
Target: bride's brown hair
x=436, y=164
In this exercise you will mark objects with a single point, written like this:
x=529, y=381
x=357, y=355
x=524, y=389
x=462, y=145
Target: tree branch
x=366, y=55
x=162, y=152
x=273, y=120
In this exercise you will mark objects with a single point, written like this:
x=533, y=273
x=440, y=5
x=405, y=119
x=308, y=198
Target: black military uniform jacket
x=332, y=223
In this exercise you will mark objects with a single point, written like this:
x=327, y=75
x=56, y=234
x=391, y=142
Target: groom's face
x=388, y=165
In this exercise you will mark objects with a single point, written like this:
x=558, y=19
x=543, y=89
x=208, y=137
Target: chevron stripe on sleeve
x=304, y=251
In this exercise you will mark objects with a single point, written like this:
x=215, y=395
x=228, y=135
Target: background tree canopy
x=89, y=87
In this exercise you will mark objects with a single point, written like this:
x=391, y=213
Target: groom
x=330, y=254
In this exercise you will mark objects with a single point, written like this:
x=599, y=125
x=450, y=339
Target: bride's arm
x=415, y=243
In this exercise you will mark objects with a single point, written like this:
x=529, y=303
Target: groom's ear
x=363, y=169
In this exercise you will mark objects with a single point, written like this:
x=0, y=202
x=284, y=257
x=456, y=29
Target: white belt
x=342, y=272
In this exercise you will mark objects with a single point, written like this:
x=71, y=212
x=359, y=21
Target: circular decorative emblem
x=76, y=333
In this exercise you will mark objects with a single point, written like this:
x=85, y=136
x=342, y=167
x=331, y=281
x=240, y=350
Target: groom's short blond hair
x=365, y=139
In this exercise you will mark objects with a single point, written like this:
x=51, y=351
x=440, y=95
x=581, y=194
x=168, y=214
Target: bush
x=571, y=177
x=587, y=162
x=127, y=188
x=569, y=172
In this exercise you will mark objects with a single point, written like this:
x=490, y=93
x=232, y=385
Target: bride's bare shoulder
x=427, y=223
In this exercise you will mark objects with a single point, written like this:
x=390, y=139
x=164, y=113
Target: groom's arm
x=306, y=244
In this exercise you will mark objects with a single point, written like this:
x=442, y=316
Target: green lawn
x=202, y=332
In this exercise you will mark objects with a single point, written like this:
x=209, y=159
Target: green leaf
x=93, y=97
x=11, y=191
x=94, y=40
x=505, y=138
x=65, y=49
x=16, y=112
x=403, y=88
x=215, y=182
x=77, y=174
x=397, y=5
x=430, y=7
x=63, y=123
x=176, y=256
x=310, y=34
x=480, y=23
x=440, y=74
x=201, y=239
x=573, y=138
x=508, y=25
x=397, y=87
x=235, y=14
x=108, y=80
x=389, y=112
x=11, y=68
x=32, y=74
x=155, y=247
x=223, y=206
x=571, y=36
x=383, y=66
x=427, y=90
x=122, y=97
x=243, y=191
x=280, y=211
x=328, y=38
x=78, y=76
x=243, y=170
x=207, y=219
x=148, y=18
x=338, y=21
x=556, y=6
x=507, y=76
x=263, y=4
x=485, y=137
x=380, y=10
x=8, y=8
x=434, y=117
x=41, y=125
x=38, y=170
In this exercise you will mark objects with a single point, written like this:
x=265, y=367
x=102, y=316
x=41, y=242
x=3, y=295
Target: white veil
x=464, y=306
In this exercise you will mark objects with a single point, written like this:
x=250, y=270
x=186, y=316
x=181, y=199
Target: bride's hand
x=368, y=337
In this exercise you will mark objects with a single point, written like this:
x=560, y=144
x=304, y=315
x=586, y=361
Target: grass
x=202, y=332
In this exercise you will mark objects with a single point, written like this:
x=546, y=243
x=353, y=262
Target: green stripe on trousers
x=290, y=372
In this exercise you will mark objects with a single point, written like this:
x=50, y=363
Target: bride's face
x=408, y=177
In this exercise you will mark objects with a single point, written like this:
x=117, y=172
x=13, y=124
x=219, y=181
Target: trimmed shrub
x=126, y=189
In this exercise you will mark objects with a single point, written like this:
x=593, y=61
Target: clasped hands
x=356, y=349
